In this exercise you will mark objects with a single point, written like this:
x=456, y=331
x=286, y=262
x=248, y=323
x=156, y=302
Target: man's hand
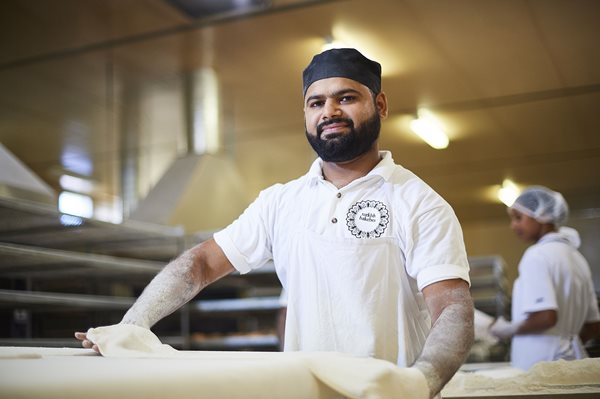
x=85, y=342
x=503, y=328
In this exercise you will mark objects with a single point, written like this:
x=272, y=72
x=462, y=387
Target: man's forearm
x=174, y=286
x=448, y=343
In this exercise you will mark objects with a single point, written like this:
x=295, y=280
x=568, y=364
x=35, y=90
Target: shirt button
x=339, y=195
x=334, y=220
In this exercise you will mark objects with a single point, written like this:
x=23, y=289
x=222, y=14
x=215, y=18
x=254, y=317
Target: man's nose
x=331, y=110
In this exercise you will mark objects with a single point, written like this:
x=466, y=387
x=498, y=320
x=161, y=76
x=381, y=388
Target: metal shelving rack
x=41, y=226
x=489, y=284
x=58, y=266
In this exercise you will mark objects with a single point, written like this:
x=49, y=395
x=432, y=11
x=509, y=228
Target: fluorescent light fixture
x=508, y=192
x=75, y=204
x=429, y=129
x=109, y=211
x=76, y=184
x=70, y=220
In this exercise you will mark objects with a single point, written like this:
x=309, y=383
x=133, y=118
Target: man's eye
x=315, y=104
x=346, y=99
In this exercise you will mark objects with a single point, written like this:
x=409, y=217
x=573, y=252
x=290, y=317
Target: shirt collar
x=383, y=169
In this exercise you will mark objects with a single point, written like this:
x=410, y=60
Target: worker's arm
x=451, y=336
x=175, y=285
x=590, y=331
x=536, y=322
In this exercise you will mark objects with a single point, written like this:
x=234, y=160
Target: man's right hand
x=503, y=328
x=85, y=342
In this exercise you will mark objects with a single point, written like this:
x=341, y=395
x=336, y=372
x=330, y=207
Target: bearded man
x=371, y=258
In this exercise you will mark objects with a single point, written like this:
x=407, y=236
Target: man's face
x=341, y=118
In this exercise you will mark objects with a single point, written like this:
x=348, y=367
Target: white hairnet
x=542, y=204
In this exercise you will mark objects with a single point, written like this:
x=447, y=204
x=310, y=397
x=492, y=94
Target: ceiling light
x=75, y=204
x=508, y=192
x=76, y=184
x=429, y=129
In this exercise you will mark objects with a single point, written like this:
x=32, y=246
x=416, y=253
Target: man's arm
x=451, y=335
x=175, y=285
x=536, y=322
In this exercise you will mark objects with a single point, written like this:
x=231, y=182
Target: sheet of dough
x=367, y=378
x=191, y=375
x=351, y=376
x=137, y=365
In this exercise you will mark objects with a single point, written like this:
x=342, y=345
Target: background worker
x=371, y=258
x=554, y=306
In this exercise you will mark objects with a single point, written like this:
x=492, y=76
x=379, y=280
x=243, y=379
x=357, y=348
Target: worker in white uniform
x=554, y=306
x=372, y=259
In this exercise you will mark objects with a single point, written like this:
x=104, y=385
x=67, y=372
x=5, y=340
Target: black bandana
x=343, y=63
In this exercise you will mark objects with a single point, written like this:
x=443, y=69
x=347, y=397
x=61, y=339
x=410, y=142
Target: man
x=554, y=305
x=369, y=255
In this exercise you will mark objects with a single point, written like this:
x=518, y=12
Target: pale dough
x=367, y=378
x=128, y=340
x=351, y=376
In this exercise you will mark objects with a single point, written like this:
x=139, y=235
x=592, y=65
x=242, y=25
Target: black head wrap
x=343, y=63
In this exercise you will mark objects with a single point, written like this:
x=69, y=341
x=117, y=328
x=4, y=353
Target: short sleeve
x=535, y=277
x=435, y=249
x=247, y=242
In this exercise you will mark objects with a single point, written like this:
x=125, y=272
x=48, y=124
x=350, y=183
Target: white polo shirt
x=352, y=260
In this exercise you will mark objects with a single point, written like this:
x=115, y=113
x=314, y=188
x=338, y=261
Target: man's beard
x=349, y=146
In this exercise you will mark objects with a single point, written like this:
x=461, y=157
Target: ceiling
x=95, y=88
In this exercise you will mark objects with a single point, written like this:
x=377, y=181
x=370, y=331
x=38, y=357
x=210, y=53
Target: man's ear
x=381, y=105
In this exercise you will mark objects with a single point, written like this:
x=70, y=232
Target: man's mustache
x=322, y=125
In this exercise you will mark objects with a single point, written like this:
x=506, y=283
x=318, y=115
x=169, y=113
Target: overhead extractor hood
x=202, y=190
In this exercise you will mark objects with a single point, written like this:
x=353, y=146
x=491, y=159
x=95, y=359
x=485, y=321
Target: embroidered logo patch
x=367, y=219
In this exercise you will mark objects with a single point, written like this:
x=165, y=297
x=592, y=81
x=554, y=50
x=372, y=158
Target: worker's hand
x=85, y=342
x=503, y=328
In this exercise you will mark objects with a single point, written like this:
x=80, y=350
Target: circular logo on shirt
x=367, y=219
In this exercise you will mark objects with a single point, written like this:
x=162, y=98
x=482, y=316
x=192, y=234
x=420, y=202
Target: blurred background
x=132, y=129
